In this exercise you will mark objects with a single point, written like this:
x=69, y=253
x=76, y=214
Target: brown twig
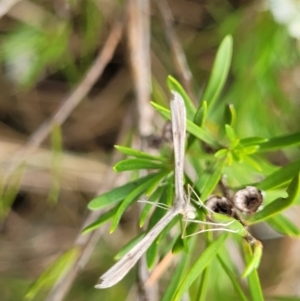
x=87, y=242
x=139, y=46
x=71, y=101
x=139, y=54
x=160, y=269
x=179, y=57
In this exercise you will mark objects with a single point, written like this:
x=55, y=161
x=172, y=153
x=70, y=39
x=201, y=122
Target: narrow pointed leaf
x=204, y=284
x=249, y=150
x=201, y=114
x=233, y=224
x=253, y=279
x=138, y=154
x=235, y=282
x=230, y=114
x=174, y=85
x=145, y=214
x=253, y=141
x=254, y=261
x=201, y=263
x=199, y=120
x=213, y=179
x=132, y=196
x=230, y=133
x=277, y=143
x=151, y=255
x=117, y=194
x=221, y=153
x=201, y=134
x=280, y=176
x=279, y=204
x=101, y=220
x=283, y=225
x=133, y=164
x=219, y=72
x=57, y=269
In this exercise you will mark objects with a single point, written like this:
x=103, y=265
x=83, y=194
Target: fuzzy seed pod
x=248, y=200
x=220, y=205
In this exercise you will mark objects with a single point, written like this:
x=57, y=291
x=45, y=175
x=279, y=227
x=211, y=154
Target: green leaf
x=253, y=162
x=145, y=214
x=138, y=154
x=132, y=196
x=56, y=270
x=280, y=176
x=249, y=150
x=284, y=226
x=178, y=245
x=252, y=141
x=158, y=94
x=117, y=194
x=279, y=204
x=174, y=85
x=277, y=143
x=219, y=72
x=235, y=282
x=230, y=133
x=133, y=164
x=201, y=114
x=151, y=254
x=253, y=279
x=101, y=220
x=254, y=261
x=170, y=193
x=221, y=153
x=201, y=263
x=204, y=285
x=213, y=179
x=201, y=134
x=230, y=114
x=199, y=120
x=233, y=224
x=192, y=128
x=176, y=277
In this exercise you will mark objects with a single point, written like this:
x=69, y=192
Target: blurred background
x=75, y=79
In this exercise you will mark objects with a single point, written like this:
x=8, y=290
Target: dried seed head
x=220, y=205
x=154, y=141
x=248, y=200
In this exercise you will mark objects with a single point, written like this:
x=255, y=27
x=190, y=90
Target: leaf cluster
x=214, y=150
